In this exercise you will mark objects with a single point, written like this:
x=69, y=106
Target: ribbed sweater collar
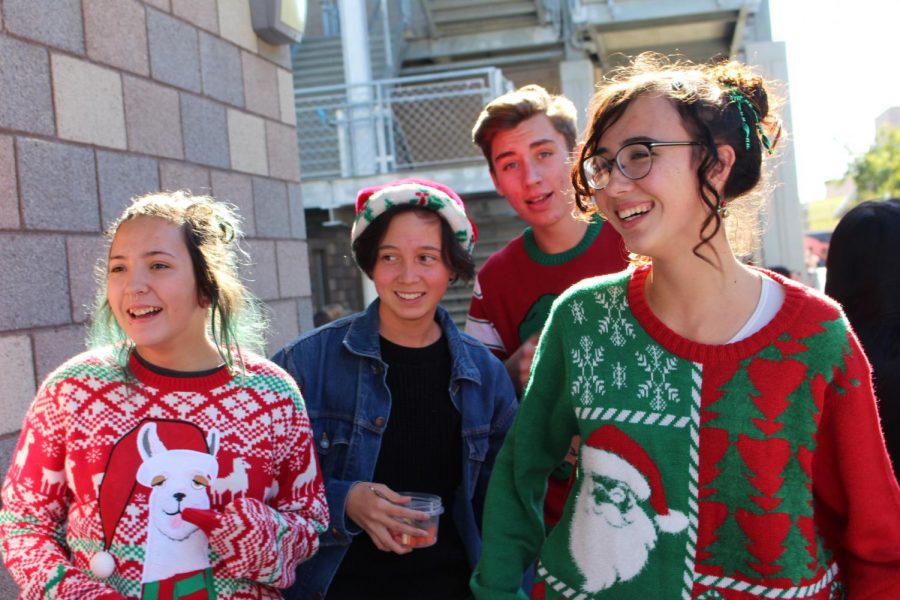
x=186, y=384
x=796, y=295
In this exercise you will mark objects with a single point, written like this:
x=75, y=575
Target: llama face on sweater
x=178, y=479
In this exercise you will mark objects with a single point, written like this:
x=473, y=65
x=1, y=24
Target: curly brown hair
x=724, y=103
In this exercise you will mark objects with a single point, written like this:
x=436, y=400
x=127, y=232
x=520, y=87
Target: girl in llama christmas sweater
x=730, y=439
x=168, y=463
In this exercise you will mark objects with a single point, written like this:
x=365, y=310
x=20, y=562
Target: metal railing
x=392, y=124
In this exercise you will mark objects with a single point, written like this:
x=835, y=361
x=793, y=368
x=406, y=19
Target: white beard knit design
x=608, y=545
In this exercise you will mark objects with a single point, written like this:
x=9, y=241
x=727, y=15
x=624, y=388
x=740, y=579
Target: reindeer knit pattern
x=267, y=506
x=746, y=470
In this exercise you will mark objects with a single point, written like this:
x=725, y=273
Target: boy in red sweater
x=527, y=137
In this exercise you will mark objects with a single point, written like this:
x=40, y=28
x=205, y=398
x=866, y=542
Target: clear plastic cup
x=428, y=504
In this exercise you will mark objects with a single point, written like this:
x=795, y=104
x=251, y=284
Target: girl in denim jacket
x=401, y=400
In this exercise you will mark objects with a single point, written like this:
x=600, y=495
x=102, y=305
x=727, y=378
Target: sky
x=844, y=70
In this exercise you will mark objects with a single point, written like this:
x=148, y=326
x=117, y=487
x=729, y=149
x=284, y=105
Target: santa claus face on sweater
x=611, y=536
x=620, y=510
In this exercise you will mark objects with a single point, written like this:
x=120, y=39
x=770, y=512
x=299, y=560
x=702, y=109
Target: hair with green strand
x=211, y=233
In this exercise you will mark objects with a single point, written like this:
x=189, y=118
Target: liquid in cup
x=428, y=504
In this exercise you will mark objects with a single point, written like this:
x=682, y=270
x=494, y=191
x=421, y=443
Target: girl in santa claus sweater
x=731, y=444
x=169, y=461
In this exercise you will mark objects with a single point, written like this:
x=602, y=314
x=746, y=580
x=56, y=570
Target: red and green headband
x=374, y=201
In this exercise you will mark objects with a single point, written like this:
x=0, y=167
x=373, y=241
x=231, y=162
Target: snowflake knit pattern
x=747, y=470
x=265, y=509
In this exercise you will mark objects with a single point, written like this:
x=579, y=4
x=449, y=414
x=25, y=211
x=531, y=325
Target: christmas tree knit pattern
x=705, y=471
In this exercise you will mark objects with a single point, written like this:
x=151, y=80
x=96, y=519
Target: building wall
x=104, y=99
x=335, y=278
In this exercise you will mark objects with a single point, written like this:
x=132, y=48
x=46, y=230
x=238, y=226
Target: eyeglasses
x=635, y=161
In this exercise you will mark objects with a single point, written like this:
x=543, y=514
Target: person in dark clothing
x=869, y=291
x=401, y=401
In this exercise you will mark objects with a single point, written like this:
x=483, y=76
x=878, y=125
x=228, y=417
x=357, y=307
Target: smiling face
x=152, y=292
x=662, y=213
x=530, y=168
x=410, y=275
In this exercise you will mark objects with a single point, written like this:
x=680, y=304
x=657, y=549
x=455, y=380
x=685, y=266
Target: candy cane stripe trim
x=693, y=482
x=792, y=592
x=623, y=415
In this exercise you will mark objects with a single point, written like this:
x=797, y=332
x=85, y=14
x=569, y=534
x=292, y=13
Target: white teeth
x=630, y=212
x=409, y=296
x=140, y=312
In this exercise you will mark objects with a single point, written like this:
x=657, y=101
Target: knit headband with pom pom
x=374, y=201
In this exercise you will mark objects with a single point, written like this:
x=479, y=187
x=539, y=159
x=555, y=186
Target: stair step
x=316, y=83
x=308, y=54
x=470, y=27
x=437, y=5
x=316, y=68
x=491, y=11
x=554, y=54
x=318, y=44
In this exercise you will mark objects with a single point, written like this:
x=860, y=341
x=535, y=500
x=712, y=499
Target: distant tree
x=877, y=172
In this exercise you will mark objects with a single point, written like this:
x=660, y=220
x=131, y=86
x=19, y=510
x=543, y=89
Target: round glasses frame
x=597, y=169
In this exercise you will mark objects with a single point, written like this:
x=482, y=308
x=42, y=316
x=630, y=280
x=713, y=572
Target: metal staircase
x=464, y=34
x=462, y=17
x=318, y=59
x=448, y=56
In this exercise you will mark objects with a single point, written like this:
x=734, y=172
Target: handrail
x=318, y=90
x=392, y=124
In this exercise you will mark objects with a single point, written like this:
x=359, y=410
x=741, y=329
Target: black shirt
x=421, y=451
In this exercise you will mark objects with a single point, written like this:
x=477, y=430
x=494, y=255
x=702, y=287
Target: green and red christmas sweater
x=517, y=285
x=514, y=291
x=749, y=470
x=131, y=483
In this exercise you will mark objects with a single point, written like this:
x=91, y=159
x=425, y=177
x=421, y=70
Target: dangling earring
x=722, y=209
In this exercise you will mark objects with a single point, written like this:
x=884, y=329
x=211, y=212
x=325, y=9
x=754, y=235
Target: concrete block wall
x=101, y=100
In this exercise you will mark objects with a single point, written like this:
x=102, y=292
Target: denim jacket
x=343, y=381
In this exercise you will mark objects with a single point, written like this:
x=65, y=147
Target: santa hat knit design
x=612, y=453
x=374, y=201
x=121, y=475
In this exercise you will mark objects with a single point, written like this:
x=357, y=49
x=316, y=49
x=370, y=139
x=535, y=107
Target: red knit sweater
x=99, y=462
x=519, y=282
